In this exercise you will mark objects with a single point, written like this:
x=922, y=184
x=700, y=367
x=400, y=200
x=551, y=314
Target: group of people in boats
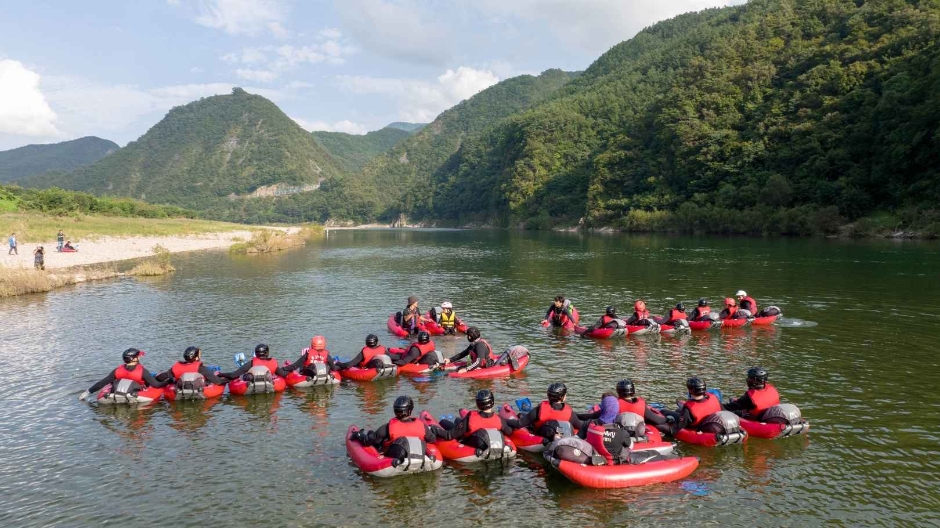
x=562, y=313
x=611, y=428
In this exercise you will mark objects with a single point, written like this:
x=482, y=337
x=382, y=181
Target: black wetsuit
x=458, y=430
x=554, y=310
x=740, y=406
x=618, y=446
x=533, y=416
x=206, y=372
x=610, y=322
x=280, y=371
x=149, y=380
x=411, y=354
x=354, y=362
x=697, y=315
x=479, y=355
x=636, y=320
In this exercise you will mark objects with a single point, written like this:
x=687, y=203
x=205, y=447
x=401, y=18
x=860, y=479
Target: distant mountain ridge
x=355, y=150
x=32, y=160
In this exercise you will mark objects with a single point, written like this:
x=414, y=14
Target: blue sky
x=114, y=68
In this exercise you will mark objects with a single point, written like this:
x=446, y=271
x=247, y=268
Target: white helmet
x=741, y=293
x=447, y=305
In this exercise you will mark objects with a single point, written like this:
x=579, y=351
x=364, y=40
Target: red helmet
x=729, y=301
x=639, y=306
x=318, y=343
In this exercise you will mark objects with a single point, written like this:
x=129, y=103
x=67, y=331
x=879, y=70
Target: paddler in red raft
x=192, y=362
x=759, y=397
x=262, y=359
x=608, y=320
x=700, y=313
x=545, y=417
x=475, y=428
x=364, y=359
x=395, y=436
x=628, y=401
x=745, y=302
x=693, y=411
x=676, y=314
x=560, y=313
x=479, y=351
x=421, y=352
x=641, y=316
x=315, y=353
x=731, y=311
x=411, y=317
x=131, y=369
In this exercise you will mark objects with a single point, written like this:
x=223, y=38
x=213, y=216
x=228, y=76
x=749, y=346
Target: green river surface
x=857, y=352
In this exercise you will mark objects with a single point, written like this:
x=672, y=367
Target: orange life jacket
x=137, y=375
x=270, y=363
x=181, y=368
x=314, y=355
x=753, y=304
x=637, y=407
x=675, y=315
x=763, y=399
x=701, y=409
x=368, y=354
x=476, y=421
x=425, y=349
x=731, y=311
x=547, y=413
x=399, y=429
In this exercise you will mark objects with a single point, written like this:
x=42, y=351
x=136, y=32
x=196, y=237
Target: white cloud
x=421, y=101
x=279, y=59
x=401, y=30
x=196, y=69
x=592, y=25
x=330, y=34
x=23, y=108
x=243, y=17
x=345, y=125
x=263, y=76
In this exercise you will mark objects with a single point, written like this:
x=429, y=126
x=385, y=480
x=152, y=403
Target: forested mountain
x=30, y=160
x=210, y=155
x=778, y=116
x=354, y=150
x=403, y=174
x=407, y=127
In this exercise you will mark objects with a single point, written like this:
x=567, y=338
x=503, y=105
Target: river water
x=857, y=354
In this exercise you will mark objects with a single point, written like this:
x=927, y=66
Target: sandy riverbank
x=112, y=249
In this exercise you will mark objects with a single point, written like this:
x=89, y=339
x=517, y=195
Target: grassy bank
x=38, y=227
x=268, y=241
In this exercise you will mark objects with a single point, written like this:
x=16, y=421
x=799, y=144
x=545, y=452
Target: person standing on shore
x=39, y=260
x=13, y=250
x=60, y=240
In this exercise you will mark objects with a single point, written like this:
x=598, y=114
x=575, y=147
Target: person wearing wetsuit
x=553, y=410
x=699, y=406
x=604, y=435
x=470, y=429
x=364, y=358
x=700, y=313
x=731, y=310
x=192, y=362
x=403, y=425
x=608, y=320
x=421, y=352
x=641, y=316
x=746, y=302
x=479, y=351
x=318, y=353
x=759, y=397
x=628, y=401
x=560, y=312
x=131, y=369
x=676, y=314
x=262, y=359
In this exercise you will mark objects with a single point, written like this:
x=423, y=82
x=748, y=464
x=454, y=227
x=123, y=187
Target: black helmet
x=680, y=307
x=625, y=388
x=424, y=337
x=190, y=354
x=485, y=400
x=473, y=333
x=372, y=340
x=557, y=392
x=756, y=378
x=131, y=354
x=611, y=311
x=702, y=302
x=262, y=352
x=696, y=386
x=403, y=406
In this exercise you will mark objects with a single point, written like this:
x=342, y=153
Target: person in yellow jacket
x=448, y=318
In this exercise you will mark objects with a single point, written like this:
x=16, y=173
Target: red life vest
x=702, y=311
x=547, y=413
x=425, y=349
x=595, y=437
x=560, y=318
x=644, y=315
x=270, y=363
x=476, y=421
x=399, y=429
x=731, y=311
x=489, y=350
x=605, y=320
x=763, y=399
x=368, y=354
x=136, y=375
x=314, y=355
x=753, y=304
x=675, y=315
x=181, y=368
x=701, y=409
x=637, y=407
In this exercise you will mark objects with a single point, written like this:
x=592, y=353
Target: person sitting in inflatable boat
x=612, y=434
x=421, y=352
x=544, y=418
x=131, y=369
x=192, y=362
x=759, y=397
x=702, y=311
x=480, y=352
x=693, y=412
x=560, y=313
x=745, y=302
x=447, y=318
x=262, y=359
x=315, y=353
x=608, y=320
x=477, y=428
x=366, y=358
x=732, y=311
x=674, y=315
x=628, y=401
x=399, y=436
x=641, y=316
x=410, y=318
